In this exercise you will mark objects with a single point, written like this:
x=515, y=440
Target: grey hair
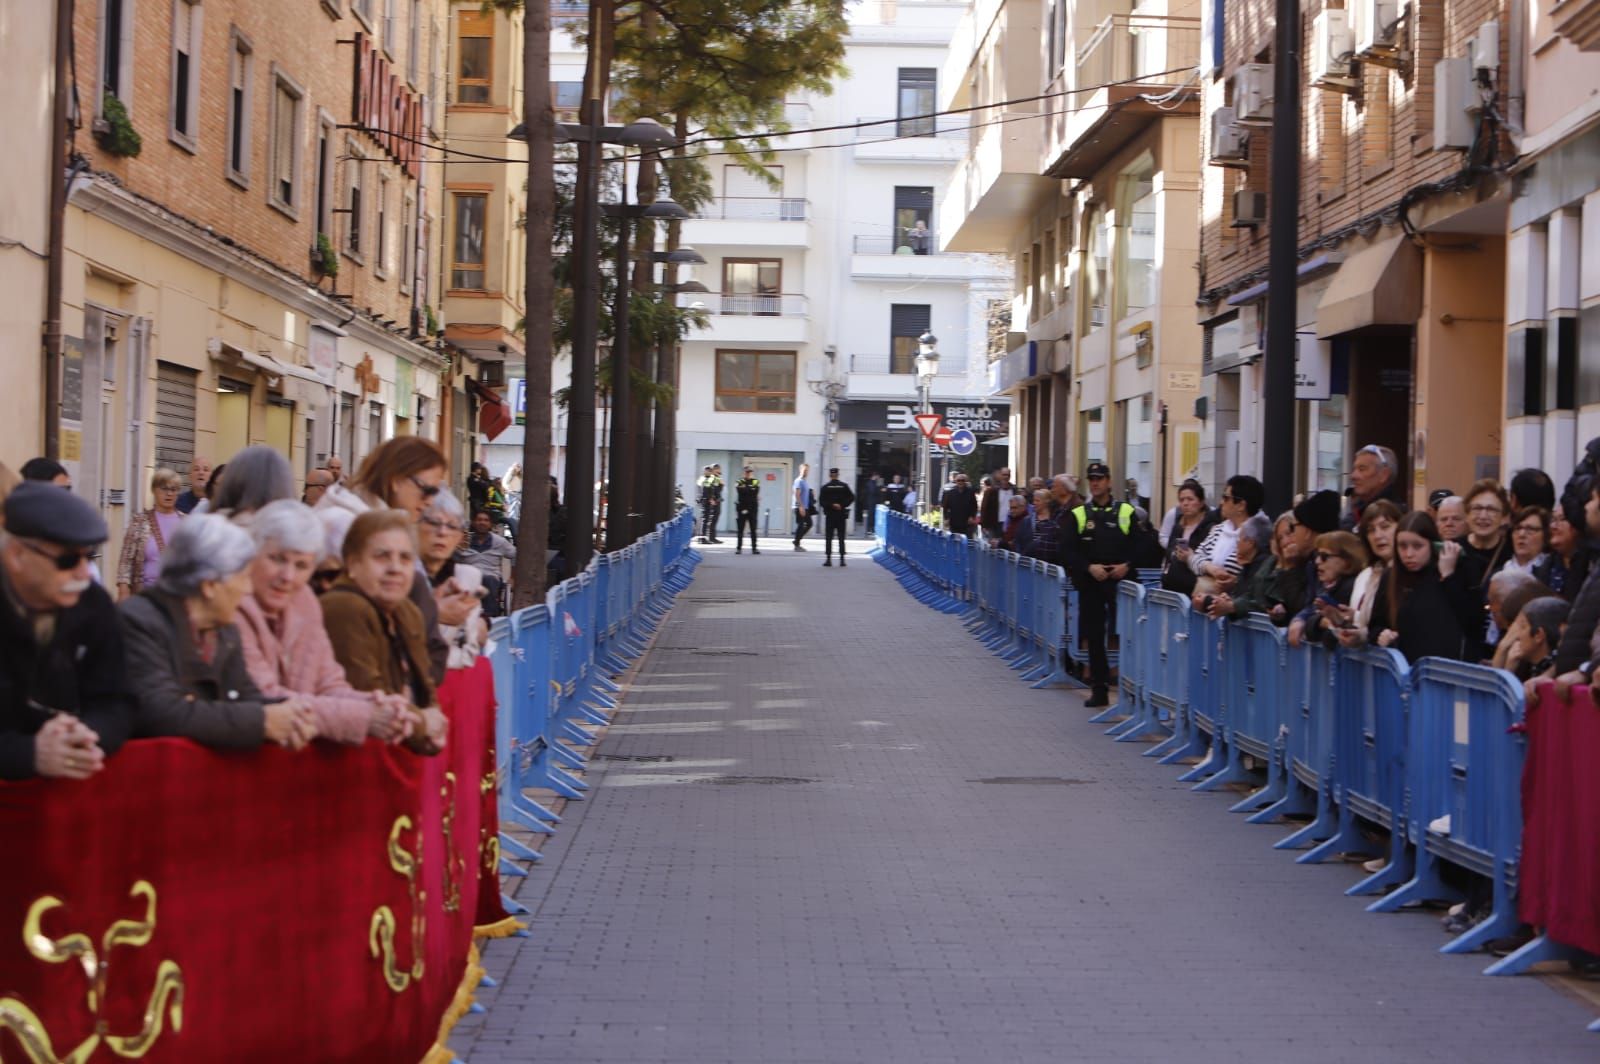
x=445, y=504
x=1547, y=614
x=1506, y=581
x=288, y=525
x=1065, y=480
x=1384, y=455
x=255, y=476
x=1258, y=529
x=1458, y=500
x=204, y=547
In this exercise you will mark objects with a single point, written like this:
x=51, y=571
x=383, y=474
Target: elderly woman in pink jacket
x=286, y=648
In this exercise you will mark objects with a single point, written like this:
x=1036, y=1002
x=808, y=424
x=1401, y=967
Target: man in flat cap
x=63, y=700
x=835, y=498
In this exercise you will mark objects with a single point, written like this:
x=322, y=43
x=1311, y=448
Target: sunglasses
x=428, y=490
x=1324, y=555
x=66, y=561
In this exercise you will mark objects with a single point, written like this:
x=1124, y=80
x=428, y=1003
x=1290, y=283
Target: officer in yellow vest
x=1097, y=545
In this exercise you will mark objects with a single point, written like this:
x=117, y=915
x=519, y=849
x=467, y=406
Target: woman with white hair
x=286, y=647
x=186, y=667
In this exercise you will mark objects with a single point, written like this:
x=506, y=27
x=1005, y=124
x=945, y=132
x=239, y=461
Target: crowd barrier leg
x=1277, y=785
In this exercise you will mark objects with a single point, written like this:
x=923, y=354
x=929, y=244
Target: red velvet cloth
x=1558, y=879
x=267, y=870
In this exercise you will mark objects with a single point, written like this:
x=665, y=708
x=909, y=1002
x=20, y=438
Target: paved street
x=827, y=827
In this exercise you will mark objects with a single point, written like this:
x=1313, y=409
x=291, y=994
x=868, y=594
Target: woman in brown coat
x=378, y=633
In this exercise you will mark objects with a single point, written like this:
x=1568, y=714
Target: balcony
x=1133, y=57
x=751, y=319
x=749, y=221
x=998, y=186
x=914, y=140
x=1579, y=22
x=877, y=258
x=873, y=377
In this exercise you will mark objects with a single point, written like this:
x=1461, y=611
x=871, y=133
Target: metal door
x=776, y=477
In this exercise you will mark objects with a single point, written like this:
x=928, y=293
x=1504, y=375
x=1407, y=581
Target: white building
x=820, y=282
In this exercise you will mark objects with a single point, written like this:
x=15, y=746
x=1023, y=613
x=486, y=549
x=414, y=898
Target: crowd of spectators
x=238, y=614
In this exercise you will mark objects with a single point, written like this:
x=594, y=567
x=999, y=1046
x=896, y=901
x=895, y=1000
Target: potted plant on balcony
x=114, y=131
x=324, y=259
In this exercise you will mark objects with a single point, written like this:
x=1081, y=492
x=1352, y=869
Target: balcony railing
x=762, y=305
x=888, y=245
x=1129, y=47
x=950, y=126
x=755, y=209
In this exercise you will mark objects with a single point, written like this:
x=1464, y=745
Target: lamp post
x=623, y=488
x=927, y=368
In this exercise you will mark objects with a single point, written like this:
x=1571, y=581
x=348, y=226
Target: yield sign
x=942, y=434
x=928, y=423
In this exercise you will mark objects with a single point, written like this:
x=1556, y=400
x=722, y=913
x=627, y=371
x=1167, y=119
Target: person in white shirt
x=1213, y=561
x=801, y=503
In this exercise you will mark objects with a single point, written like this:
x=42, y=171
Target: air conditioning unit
x=1375, y=25
x=1455, y=104
x=1252, y=94
x=1230, y=144
x=1249, y=208
x=1332, y=45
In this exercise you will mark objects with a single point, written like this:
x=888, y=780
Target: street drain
x=643, y=759
x=759, y=781
x=1039, y=781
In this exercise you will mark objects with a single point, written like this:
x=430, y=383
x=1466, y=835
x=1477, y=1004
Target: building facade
x=1082, y=168
x=1552, y=367
x=251, y=235
x=1403, y=208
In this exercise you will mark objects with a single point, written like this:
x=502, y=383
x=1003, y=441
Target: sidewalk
x=828, y=828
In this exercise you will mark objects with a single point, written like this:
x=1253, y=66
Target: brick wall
x=1361, y=151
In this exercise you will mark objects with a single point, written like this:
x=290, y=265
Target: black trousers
x=1097, y=615
x=834, y=526
x=747, y=517
x=802, y=525
x=708, y=519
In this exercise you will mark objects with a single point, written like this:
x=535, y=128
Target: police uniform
x=710, y=506
x=1097, y=535
x=835, y=499
x=747, y=500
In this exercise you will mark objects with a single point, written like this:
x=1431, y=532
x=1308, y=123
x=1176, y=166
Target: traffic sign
x=928, y=423
x=942, y=435
x=962, y=441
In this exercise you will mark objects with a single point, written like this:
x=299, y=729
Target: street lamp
x=927, y=369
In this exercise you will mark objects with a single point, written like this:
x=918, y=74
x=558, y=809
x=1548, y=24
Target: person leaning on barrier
x=64, y=706
x=377, y=631
x=1046, y=528
x=959, y=506
x=440, y=532
x=1017, y=532
x=1534, y=658
x=1379, y=523
x=1184, y=528
x=186, y=663
x=1212, y=562
x=1097, y=545
x=1272, y=587
x=1339, y=557
x=1254, y=552
x=286, y=647
x=1509, y=609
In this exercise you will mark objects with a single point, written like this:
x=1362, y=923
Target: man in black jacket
x=746, y=504
x=960, y=506
x=835, y=499
x=64, y=706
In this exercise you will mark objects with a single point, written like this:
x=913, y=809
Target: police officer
x=835, y=498
x=747, y=500
x=1097, y=543
x=710, y=500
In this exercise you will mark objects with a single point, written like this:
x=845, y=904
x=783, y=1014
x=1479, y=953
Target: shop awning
x=1379, y=285
x=494, y=413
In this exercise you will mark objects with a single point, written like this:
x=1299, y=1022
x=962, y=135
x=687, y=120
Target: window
x=1097, y=275
x=1377, y=120
x=917, y=102
x=184, y=105
x=913, y=219
x=353, y=203
x=325, y=149
x=363, y=10
x=240, y=66
x=375, y=433
x=1136, y=285
x=466, y=250
x=760, y=382
x=907, y=321
x=116, y=52
x=388, y=26
x=414, y=44
x=567, y=98
x=288, y=104
x=384, y=242
x=408, y=240
x=752, y=286
x=475, y=60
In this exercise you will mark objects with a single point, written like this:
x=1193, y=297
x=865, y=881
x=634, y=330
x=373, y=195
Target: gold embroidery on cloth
x=166, y=996
x=380, y=933
x=452, y=859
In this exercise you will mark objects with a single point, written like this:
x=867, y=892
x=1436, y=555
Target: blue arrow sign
x=963, y=442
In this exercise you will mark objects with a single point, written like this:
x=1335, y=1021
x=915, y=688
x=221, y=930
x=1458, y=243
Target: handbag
x=1176, y=575
x=811, y=503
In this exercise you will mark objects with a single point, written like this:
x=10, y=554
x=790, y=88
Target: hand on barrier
x=1387, y=637
x=391, y=720
x=67, y=748
x=291, y=723
x=1567, y=681
x=429, y=731
x=1297, y=632
x=1353, y=637
x=1221, y=606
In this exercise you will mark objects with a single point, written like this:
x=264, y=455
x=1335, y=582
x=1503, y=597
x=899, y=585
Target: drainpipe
x=58, y=218
x=1516, y=91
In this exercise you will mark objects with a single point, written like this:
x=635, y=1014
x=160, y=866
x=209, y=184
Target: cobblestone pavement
x=827, y=827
